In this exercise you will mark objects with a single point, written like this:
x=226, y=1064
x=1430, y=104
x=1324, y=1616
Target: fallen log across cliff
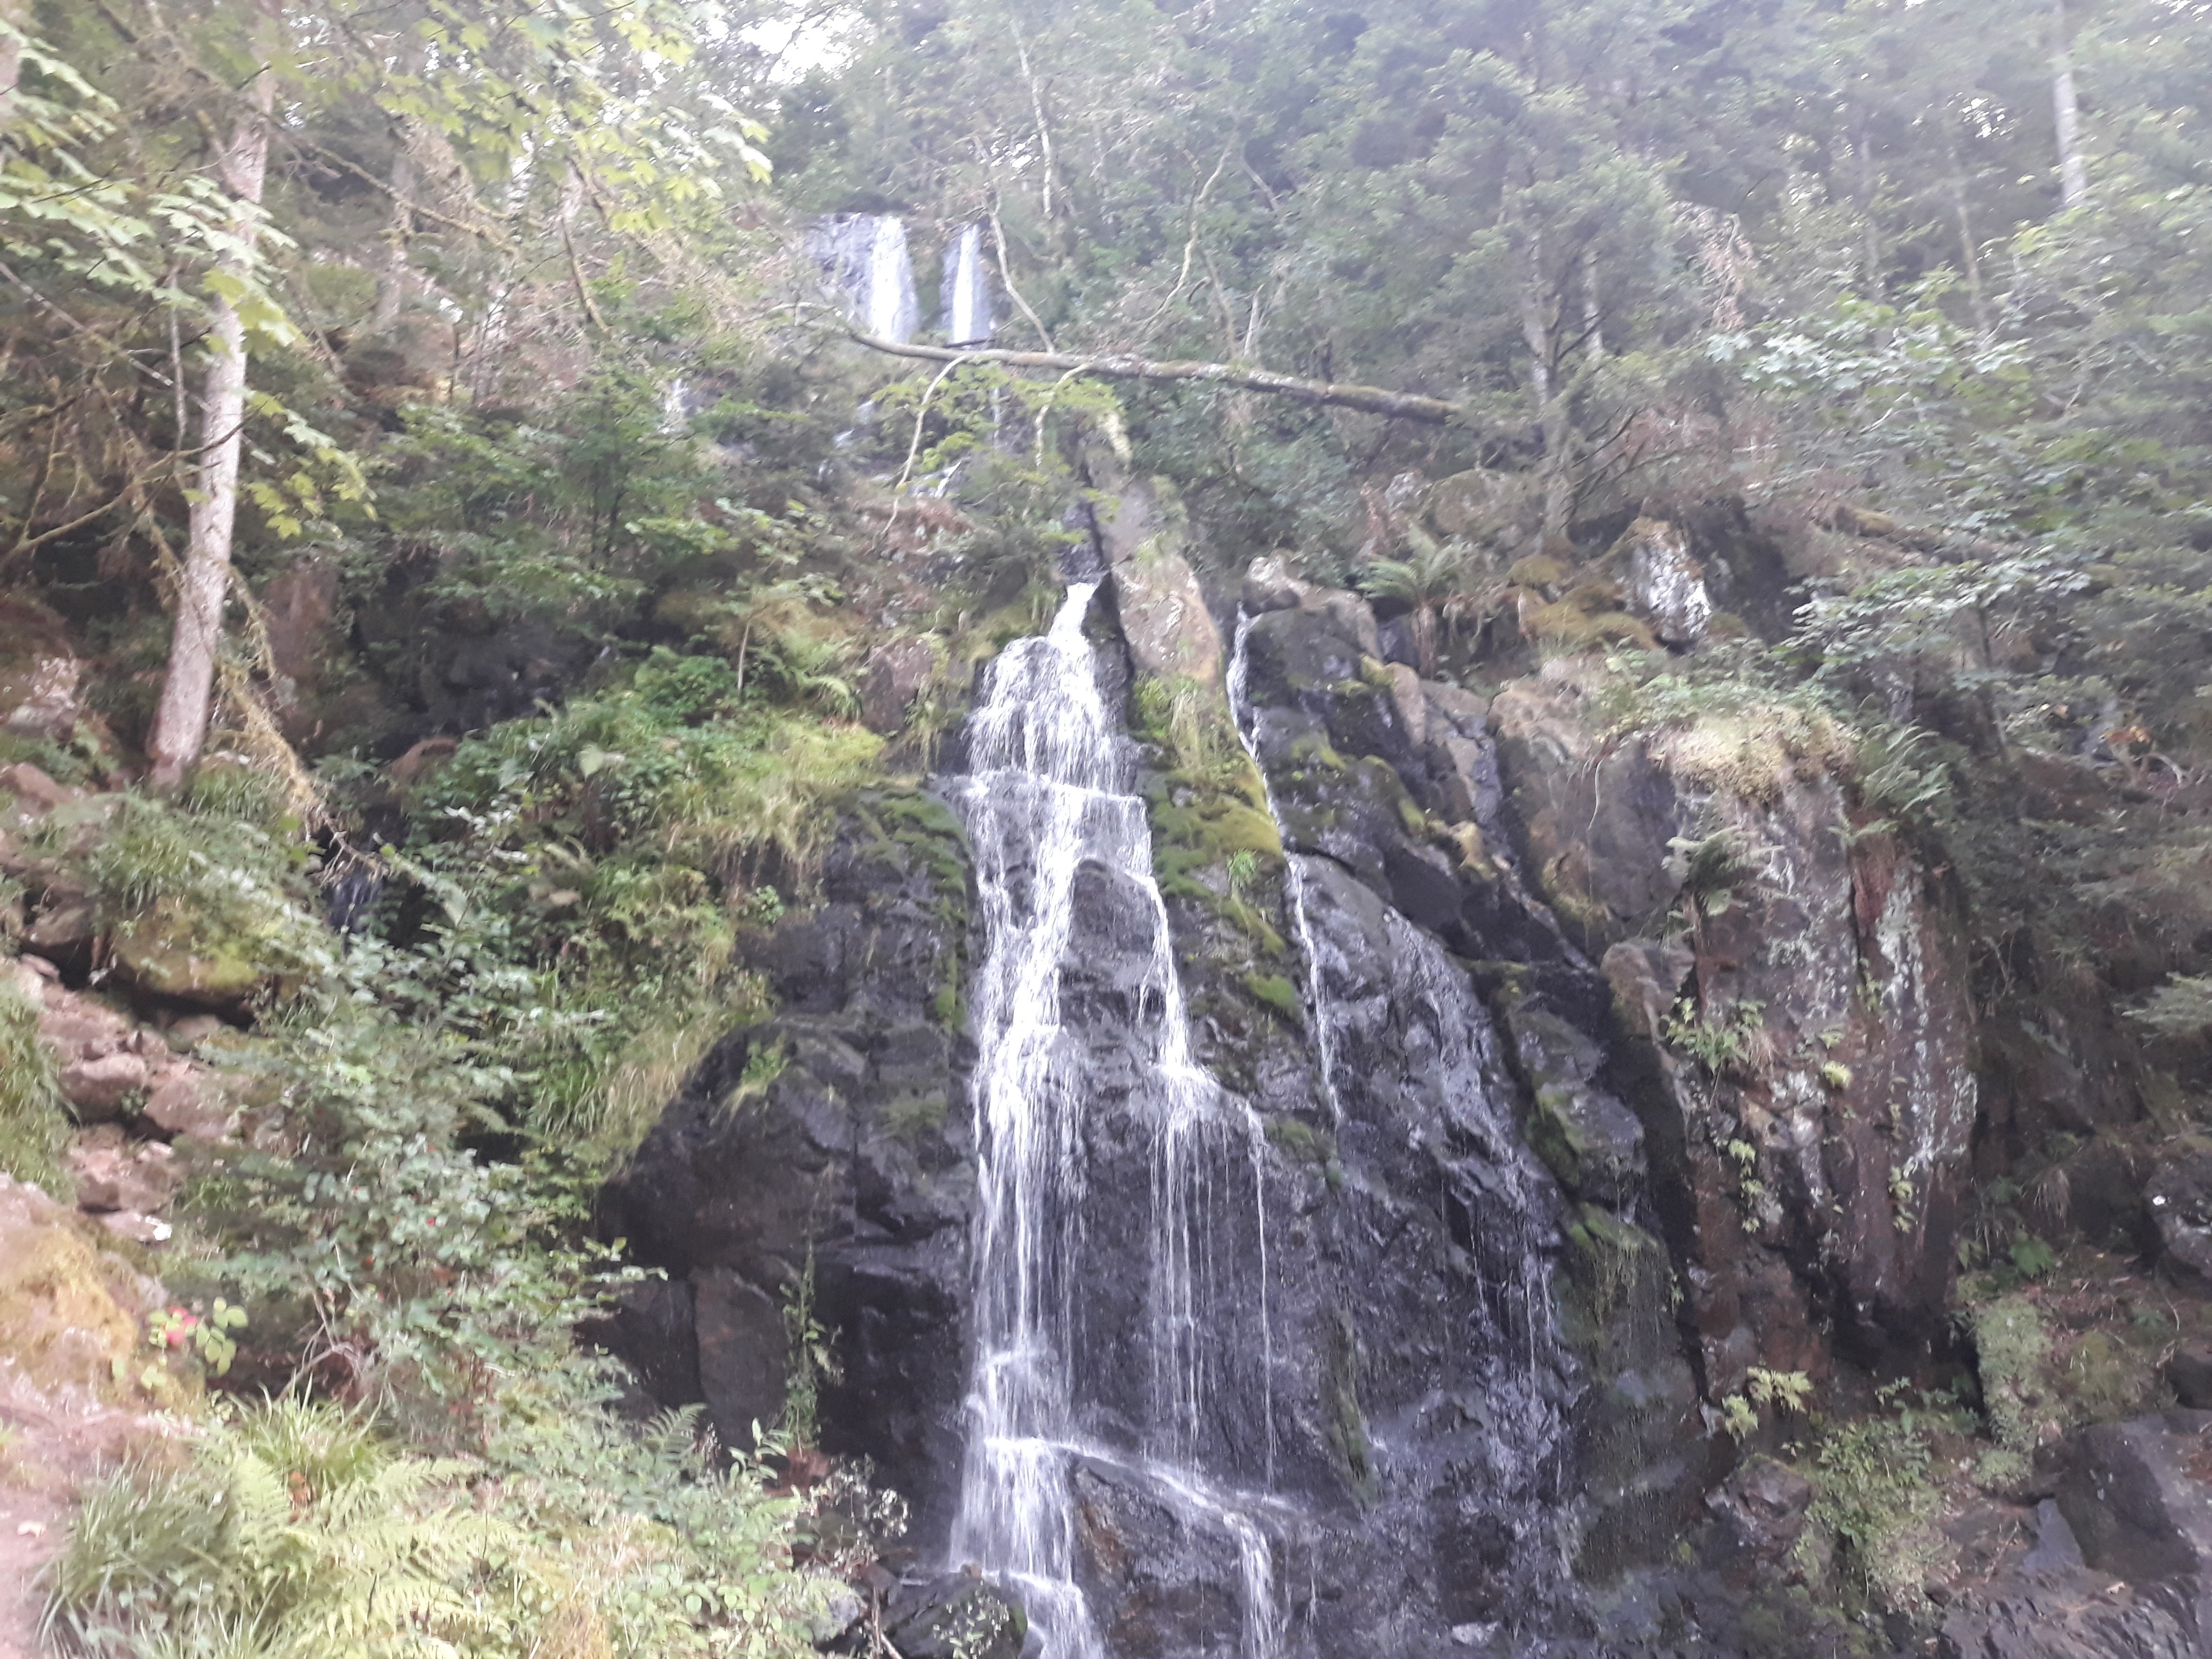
x=1370, y=399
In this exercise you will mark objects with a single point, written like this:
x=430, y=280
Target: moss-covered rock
x=69, y=1308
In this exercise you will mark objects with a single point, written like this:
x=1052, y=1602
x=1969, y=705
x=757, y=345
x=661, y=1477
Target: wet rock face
x=2122, y=1564
x=1389, y=795
x=838, y=1128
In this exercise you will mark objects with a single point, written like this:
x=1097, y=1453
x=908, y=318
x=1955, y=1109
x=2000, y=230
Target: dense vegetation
x=538, y=649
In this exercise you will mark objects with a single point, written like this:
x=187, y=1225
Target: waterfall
x=864, y=255
x=1046, y=800
x=967, y=297
x=1317, y=999
x=1407, y=1024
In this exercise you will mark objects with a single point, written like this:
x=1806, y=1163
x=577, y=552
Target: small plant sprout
x=179, y=1330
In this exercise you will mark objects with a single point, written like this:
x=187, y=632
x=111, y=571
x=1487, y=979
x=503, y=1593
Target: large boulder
x=2122, y=1567
x=1143, y=531
x=816, y=1166
x=1663, y=582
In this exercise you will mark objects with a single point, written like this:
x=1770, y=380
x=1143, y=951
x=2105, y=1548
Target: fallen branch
x=1371, y=399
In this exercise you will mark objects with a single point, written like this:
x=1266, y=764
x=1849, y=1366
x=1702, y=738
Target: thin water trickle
x=1045, y=797
x=1423, y=1030
x=1317, y=997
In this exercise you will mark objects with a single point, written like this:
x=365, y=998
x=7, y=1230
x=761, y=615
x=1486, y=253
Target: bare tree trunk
x=1863, y=146
x=1548, y=386
x=392, y=287
x=2073, y=171
x=181, y=719
x=1593, y=313
x=1335, y=394
x=1970, y=257
x=14, y=13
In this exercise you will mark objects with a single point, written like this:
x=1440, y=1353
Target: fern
x=289, y=1531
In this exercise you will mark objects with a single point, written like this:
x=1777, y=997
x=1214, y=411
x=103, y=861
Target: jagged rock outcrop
x=1808, y=1068
x=830, y=1140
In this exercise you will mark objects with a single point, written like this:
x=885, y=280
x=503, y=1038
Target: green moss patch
x=1273, y=992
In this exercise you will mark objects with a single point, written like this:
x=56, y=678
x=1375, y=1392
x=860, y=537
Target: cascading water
x=1424, y=1030
x=1044, y=805
x=1240, y=669
x=865, y=256
x=967, y=290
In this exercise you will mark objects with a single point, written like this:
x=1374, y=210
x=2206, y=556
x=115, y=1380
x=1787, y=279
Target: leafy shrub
x=1875, y=1502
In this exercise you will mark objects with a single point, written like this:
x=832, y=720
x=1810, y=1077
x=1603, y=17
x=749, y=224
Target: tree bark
x=14, y=13
x=1372, y=399
x=2072, y=170
x=392, y=287
x=180, y=721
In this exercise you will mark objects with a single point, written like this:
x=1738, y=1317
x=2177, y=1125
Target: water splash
x=1047, y=798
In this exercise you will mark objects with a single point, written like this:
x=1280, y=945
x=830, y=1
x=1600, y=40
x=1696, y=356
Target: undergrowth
x=31, y=1127
x=294, y=1527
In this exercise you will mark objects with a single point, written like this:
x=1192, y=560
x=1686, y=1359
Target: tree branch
x=1371, y=399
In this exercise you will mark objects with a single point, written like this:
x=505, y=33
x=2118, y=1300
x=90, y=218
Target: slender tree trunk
x=1592, y=314
x=392, y=285
x=14, y=13
x=1861, y=144
x=181, y=719
x=1969, y=258
x=2073, y=171
x=1539, y=328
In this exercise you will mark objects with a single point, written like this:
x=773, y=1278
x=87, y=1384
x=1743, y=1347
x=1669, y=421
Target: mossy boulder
x=69, y=1308
x=1589, y=1141
x=170, y=951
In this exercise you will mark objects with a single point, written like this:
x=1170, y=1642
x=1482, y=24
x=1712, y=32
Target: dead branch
x=1370, y=399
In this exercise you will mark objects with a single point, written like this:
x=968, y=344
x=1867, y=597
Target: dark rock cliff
x=1513, y=1236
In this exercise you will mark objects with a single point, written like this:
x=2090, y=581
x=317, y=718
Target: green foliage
x=232, y=888
x=33, y=1125
x=296, y=1527
x=285, y=1529
x=2180, y=1007
x=1276, y=993
x=2032, y=1258
x=2012, y=1348
x=1874, y=1500
x=1728, y=1039
x=812, y=1359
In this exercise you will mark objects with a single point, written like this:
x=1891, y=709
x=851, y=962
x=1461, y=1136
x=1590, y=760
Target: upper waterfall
x=865, y=256
x=967, y=297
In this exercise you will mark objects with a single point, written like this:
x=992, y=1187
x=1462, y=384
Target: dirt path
x=46, y=1453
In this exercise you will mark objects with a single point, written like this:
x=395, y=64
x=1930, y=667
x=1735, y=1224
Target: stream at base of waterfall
x=1047, y=810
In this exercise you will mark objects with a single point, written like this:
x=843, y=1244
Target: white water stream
x=1045, y=797
x=1318, y=1000
x=967, y=291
